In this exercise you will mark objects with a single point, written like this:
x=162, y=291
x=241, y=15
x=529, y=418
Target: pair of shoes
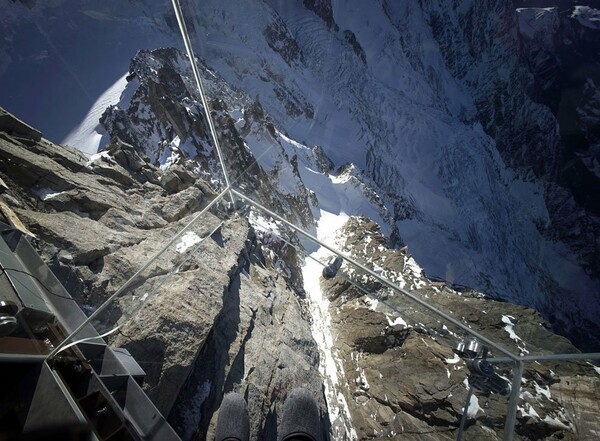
x=300, y=421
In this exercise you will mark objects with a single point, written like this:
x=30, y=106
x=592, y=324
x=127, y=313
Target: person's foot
x=300, y=420
x=233, y=423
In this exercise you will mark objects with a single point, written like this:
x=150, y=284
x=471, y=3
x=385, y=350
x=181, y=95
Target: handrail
x=549, y=357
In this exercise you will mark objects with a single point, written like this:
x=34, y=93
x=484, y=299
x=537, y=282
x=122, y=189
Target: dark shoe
x=300, y=417
x=233, y=423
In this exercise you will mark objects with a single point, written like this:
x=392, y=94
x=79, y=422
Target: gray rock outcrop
x=402, y=376
x=207, y=316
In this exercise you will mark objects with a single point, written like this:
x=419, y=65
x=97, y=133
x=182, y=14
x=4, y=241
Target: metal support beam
x=515, y=395
x=548, y=357
x=463, y=419
x=22, y=358
x=190, y=51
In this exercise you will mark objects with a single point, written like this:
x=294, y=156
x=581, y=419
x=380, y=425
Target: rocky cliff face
x=449, y=109
x=162, y=118
x=510, y=62
x=528, y=73
x=560, y=47
x=436, y=103
x=402, y=375
x=203, y=319
x=231, y=314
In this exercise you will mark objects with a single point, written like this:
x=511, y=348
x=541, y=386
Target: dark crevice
x=212, y=361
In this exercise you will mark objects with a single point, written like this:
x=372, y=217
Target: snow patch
x=361, y=380
x=262, y=223
x=188, y=240
x=555, y=423
x=444, y=327
x=102, y=156
x=372, y=303
x=528, y=411
x=330, y=365
x=46, y=193
x=413, y=266
x=509, y=327
x=596, y=368
x=171, y=155
x=453, y=360
x=545, y=391
x=474, y=407
x=88, y=134
x=397, y=324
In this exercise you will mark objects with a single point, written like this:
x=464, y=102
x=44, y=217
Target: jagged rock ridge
x=419, y=96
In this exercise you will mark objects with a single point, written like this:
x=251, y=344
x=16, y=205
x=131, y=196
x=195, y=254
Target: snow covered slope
x=88, y=135
x=428, y=101
x=57, y=58
x=421, y=107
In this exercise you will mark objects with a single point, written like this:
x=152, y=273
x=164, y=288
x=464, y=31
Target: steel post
x=515, y=395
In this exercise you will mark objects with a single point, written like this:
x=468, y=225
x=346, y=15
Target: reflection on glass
x=391, y=206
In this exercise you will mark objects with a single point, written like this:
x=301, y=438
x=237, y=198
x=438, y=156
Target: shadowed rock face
x=534, y=95
x=207, y=320
x=564, y=59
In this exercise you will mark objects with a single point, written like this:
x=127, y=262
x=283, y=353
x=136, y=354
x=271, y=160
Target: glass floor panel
x=300, y=205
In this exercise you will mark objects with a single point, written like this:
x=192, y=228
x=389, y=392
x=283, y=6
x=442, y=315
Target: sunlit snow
x=88, y=135
x=453, y=360
x=474, y=407
x=98, y=157
x=188, y=240
x=508, y=327
x=397, y=324
x=45, y=193
x=330, y=365
x=586, y=16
